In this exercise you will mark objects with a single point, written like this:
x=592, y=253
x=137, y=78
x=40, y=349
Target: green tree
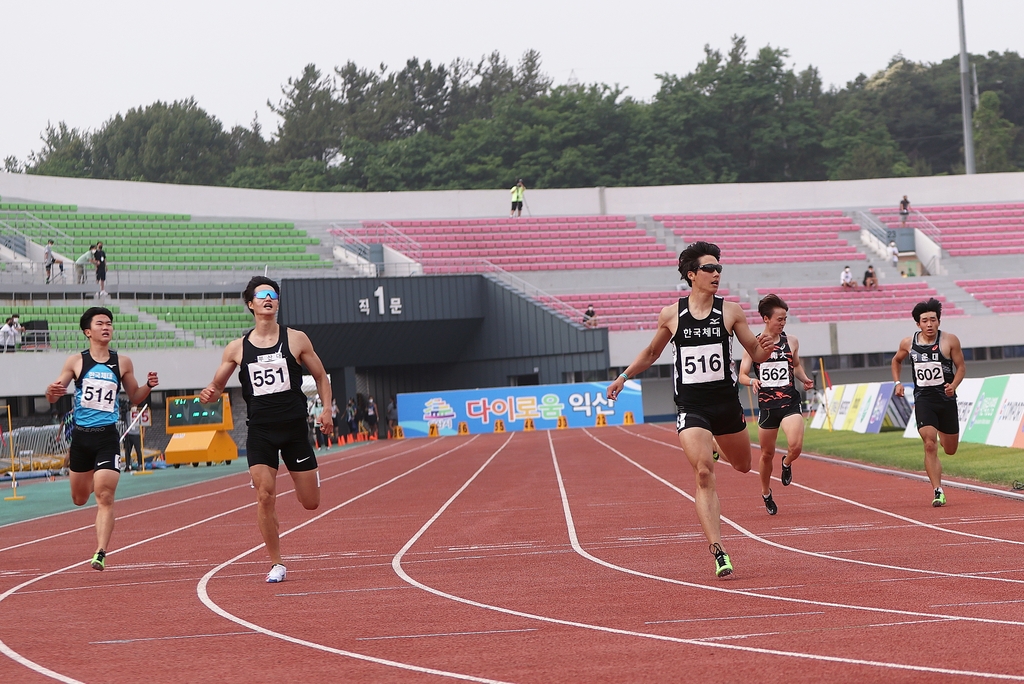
x=163, y=143
x=66, y=152
x=994, y=136
x=310, y=126
x=862, y=150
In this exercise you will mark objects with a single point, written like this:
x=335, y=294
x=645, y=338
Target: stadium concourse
x=179, y=256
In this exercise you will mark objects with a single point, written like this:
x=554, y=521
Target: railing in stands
x=921, y=222
x=121, y=274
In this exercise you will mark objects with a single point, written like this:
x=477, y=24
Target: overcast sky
x=84, y=62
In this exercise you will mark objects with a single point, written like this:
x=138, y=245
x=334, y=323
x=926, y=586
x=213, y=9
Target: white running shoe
x=277, y=574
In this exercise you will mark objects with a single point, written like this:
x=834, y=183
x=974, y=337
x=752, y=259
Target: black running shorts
x=517, y=205
x=95, y=448
x=941, y=415
x=771, y=419
x=723, y=418
x=290, y=438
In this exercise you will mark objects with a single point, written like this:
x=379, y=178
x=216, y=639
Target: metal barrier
x=36, y=448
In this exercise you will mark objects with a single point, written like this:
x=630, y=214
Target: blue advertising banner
x=579, y=403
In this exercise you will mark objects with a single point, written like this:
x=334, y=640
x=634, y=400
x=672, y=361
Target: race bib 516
x=701, y=364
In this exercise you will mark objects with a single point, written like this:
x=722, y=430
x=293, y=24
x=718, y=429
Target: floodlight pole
x=965, y=97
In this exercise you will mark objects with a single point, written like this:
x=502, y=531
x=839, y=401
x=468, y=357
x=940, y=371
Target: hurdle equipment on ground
x=499, y=426
x=627, y=418
x=463, y=428
x=434, y=432
x=14, y=474
x=397, y=433
x=528, y=425
x=601, y=421
x=563, y=423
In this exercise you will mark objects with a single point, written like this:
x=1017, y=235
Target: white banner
x=966, y=394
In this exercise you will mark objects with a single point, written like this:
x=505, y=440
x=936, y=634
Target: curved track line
x=36, y=667
x=204, y=596
x=162, y=506
x=880, y=511
x=396, y=564
x=853, y=561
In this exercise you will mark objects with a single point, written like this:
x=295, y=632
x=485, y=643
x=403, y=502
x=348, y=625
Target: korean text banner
x=580, y=403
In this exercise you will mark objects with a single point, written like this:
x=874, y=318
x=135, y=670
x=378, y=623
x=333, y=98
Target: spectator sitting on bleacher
x=846, y=278
x=590, y=317
x=870, y=279
x=904, y=210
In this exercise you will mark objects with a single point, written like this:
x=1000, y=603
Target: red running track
x=570, y=556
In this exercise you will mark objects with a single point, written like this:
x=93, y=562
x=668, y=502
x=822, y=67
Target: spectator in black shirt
x=99, y=257
x=870, y=279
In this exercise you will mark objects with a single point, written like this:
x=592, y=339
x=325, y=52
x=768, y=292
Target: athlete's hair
x=250, y=289
x=931, y=305
x=769, y=303
x=85, y=322
x=689, y=258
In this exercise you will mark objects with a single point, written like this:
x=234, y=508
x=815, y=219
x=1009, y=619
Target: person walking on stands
x=518, y=195
x=904, y=210
x=778, y=401
x=937, y=364
x=133, y=439
x=701, y=327
x=95, y=459
x=270, y=358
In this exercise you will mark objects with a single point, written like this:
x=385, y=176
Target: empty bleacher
x=217, y=324
x=168, y=242
x=63, y=331
x=639, y=310
x=769, y=237
x=827, y=304
x=1001, y=295
x=967, y=230
x=529, y=244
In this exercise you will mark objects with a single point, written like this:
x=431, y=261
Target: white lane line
x=735, y=617
x=396, y=564
x=36, y=667
x=161, y=491
x=144, y=511
x=976, y=603
x=880, y=511
x=447, y=634
x=204, y=595
x=170, y=638
x=814, y=554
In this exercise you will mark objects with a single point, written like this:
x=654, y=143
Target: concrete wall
x=323, y=206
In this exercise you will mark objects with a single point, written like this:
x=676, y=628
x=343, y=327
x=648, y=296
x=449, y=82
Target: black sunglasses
x=711, y=268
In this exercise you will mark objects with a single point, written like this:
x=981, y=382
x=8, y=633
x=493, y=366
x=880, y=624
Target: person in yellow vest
x=518, y=192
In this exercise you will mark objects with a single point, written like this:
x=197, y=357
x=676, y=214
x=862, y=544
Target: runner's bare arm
x=897, y=364
x=798, y=366
x=759, y=348
x=136, y=394
x=228, y=362
x=306, y=355
x=652, y=352
x=58, y=388
x=746, y=365
x=956, y=354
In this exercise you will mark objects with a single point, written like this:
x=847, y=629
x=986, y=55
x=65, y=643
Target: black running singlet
x=271, y=381
x=776, y=375
x=702, y=368
x=931, y=370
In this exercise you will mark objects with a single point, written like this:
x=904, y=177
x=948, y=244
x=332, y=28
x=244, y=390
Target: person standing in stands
x=937, y=368
x=95, y=457
x=133, y=439
x=80, y=264
x=518, y=195
x=904, y=210
x=778, y=400
x=99, y=257
x=392, y=414
x=49, y=260
x=894, y=254
x=700, y=328
x=270, y=358
x=10, y=334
